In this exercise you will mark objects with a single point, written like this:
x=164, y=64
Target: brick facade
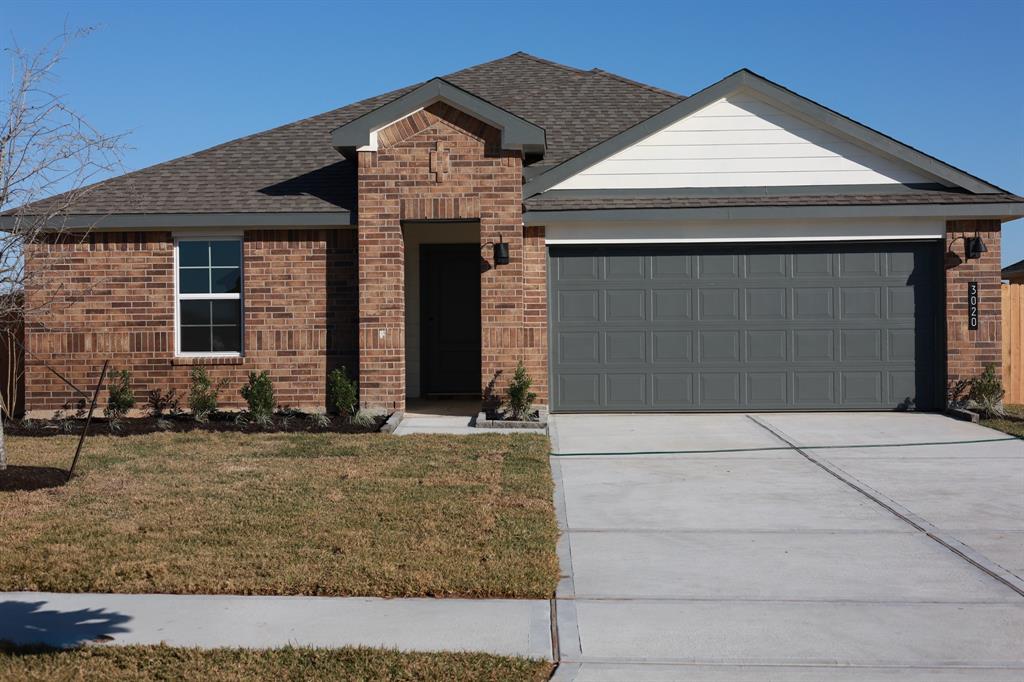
x=319, y=298
x=111, y=296
x=968, y=351
x=441, y=164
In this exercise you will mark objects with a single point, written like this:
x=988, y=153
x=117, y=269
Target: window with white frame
x=209, y=281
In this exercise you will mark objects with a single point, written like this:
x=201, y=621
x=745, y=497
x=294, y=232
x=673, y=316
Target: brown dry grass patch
x=314, y=514
x=166, y=663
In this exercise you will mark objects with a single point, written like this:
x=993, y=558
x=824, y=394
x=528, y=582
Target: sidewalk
x=507, y=627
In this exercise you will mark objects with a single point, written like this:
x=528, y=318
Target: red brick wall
x=440, y=164
x=111, y=296
x=967, y=351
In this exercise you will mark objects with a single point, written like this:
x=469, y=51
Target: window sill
x=208, y=360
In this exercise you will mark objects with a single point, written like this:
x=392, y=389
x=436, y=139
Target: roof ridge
x=548, y=62
x=630, y=81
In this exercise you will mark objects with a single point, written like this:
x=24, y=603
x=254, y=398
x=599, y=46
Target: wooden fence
x=1013, y=343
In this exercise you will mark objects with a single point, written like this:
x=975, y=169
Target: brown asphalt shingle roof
x=294, y=168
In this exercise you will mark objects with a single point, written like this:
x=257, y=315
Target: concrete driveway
x=789, y=547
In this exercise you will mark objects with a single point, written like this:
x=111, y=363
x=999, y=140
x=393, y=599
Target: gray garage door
x=671, y=328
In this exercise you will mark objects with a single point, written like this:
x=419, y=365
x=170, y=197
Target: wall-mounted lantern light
x=974, y=247
x=501, y=253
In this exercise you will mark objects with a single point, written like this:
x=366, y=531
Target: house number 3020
x=972, y=305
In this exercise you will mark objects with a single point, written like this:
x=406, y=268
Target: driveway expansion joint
x=954, y=545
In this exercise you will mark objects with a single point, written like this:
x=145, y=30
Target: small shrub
x=203, y=394
x=986, y=393
x=342, y=393
x=319, y=419
x=120, y=396
x=519, y=398
x=367, y=417
x=158, y=403
x=259, y=395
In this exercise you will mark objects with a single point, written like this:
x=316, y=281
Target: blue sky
x=944, y=77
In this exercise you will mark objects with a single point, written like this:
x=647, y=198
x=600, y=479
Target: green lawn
x=1012, y=423
x=313, y=514
x=275, y=665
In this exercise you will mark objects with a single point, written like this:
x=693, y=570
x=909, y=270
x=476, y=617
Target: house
x=743, y=248
x=1014, y=274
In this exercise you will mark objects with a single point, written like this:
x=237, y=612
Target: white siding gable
x=742, y=141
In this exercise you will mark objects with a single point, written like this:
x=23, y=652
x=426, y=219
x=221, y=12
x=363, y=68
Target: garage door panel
x=718, y=304
x=861, y=388
x=813, y=345
x=765, y=345
x=700, y=327
x=767, y=389
x=860, y=303
x=626, y=390
x=625, y=268
x=813, y=303
x=860, y=264
x=766, y=304
x=672, y=347
x=811, y=265
x=668, y=305
x=625, y=305
x=860, y=345
x=766, y=266
x=673, y=391
x=720, y=389
x=579, y=306
x=671, y=266
x=579, y=348
x=625, y=347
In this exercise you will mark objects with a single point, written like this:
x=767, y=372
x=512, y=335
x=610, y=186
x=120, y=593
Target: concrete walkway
x=499, y=626
x=741, y=557
x=439, y=416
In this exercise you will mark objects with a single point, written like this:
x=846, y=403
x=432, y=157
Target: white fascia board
x=734, y=231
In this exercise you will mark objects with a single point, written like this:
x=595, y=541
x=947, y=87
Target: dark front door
x=450, y=318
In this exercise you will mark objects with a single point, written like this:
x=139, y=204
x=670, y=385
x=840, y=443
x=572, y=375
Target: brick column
x=967, y=350
x=381, y=290
x=535, y=310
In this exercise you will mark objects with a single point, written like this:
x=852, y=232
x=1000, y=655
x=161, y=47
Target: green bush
x=342, y=393
x=986, y=393
x=120, y=396
x=259, y=395
x=159, y=403
x=519, y=398
x=203, y=393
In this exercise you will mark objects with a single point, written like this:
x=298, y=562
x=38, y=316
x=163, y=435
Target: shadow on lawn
x=15, y=478
x=25, y=623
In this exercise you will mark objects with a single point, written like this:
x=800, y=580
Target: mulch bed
x=221, y=421
x=16, y=477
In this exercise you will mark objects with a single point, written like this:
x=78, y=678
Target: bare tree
x=49, y=155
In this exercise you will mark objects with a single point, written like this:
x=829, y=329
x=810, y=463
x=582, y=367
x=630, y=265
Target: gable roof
x=744, y=78
x=516, y=133
x=294, y=168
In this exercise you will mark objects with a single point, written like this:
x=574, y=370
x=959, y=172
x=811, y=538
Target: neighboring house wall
x=111, y=296
x=968, y=351
x=741, y=141
x=438, y=164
